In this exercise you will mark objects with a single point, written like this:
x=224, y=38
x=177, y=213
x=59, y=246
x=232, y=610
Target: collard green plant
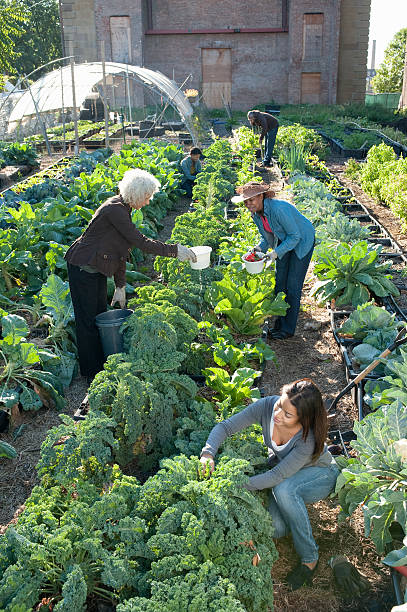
x=351, y=274
x=376, y=480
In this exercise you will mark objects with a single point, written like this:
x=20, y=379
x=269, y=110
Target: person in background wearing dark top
x=269, y=127
x=191, y=166
x=302, y=470
x=102, y=251
x=291, y=236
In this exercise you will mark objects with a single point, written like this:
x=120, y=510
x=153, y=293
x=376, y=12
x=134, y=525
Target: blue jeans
x=188, y=185
x=287, y=506
x=270, y=140
x=290, y=275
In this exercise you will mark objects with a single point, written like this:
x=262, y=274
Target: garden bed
x=312, y=352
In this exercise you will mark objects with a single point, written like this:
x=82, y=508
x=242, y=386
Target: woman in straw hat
x=291, y=236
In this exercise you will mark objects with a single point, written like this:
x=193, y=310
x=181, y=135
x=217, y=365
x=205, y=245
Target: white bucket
x=203, y=257
x=254, y=267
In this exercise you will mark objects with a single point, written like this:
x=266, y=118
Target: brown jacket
x=265, y=121
x=105, y=243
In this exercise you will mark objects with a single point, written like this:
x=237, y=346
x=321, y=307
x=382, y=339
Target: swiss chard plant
x=246, y=302
x=232, y=390
x=228, y=354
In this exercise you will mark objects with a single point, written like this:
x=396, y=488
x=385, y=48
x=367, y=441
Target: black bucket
x=108, y=324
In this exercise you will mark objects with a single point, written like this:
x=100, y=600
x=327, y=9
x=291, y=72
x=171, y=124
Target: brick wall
x=259, y=63
x=265, y=66
x=353, y=49
x=78, y=19
x=326, y=64
x=187, y=14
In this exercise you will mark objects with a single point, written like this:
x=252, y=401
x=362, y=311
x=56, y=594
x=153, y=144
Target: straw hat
x=250, y=190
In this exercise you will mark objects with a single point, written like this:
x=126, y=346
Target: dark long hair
x=307, y=398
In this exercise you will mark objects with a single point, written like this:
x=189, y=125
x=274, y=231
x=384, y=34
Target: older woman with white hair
x=102, y=251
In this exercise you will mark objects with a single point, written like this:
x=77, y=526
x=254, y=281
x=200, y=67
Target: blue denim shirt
x=294, y=231
x=186, y=168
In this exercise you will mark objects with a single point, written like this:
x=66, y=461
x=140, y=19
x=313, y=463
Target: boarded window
x=310, y=87
x=120, y=34
x=312, y=36
x=216, y=77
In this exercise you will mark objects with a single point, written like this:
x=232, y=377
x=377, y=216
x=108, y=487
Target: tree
x=389, y=76
x=40, y=41
x=11, y=27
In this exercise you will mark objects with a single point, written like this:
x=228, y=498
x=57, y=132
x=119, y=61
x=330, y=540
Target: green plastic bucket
x=108, y=324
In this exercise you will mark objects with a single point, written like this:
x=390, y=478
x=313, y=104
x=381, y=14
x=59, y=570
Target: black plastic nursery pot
x=340, y=442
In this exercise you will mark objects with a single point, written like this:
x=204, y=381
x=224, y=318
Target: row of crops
x=102, y=525
x=352, y=129
x=355, y=265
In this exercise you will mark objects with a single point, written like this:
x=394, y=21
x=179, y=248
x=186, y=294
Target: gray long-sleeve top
x=289, y=458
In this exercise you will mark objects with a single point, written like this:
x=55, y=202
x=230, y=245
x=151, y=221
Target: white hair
x=137, y=185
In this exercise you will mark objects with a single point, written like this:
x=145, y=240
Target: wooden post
x=102, y=44
x=75, y=116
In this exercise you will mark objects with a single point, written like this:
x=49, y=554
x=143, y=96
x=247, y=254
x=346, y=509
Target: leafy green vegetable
x=376, y=479
x=351, y=273
x=233, y=389
x=245, y=301
x=366, y=319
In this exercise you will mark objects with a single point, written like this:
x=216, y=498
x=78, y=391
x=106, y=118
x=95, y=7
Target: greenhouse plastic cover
x=47, y=91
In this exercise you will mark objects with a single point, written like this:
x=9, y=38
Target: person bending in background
x=102, y=251
x=269, y=128
x=302, y=470
x=191, y=166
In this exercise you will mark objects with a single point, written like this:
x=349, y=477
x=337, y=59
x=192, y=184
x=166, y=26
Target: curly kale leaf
x=143, y=407
x=201, y=590
x=74, y=592
x=84, y=448
x=151, y=342
x=186, y=327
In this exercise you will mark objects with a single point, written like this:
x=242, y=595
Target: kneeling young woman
x=303, y=471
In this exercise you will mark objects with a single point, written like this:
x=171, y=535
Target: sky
x=386, y=18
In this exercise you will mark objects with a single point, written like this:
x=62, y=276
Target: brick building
x=242, y=53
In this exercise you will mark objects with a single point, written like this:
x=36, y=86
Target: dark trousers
x=290, y=275
x=89, y=298
x=270, y=140
x=187, y=185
